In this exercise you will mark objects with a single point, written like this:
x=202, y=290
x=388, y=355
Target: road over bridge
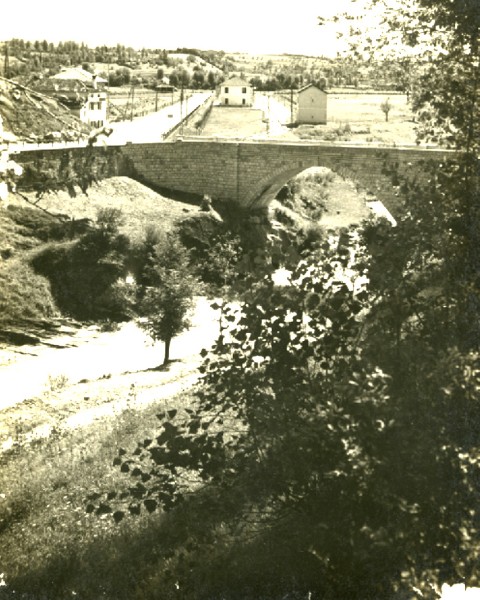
x=249, y=173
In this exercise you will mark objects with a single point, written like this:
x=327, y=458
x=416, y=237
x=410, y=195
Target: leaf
x=118, y=516
x=103, y=509
x=172, y=413
x=150, y=505
x=94, y=496
x=134, y=509
x=313, y=301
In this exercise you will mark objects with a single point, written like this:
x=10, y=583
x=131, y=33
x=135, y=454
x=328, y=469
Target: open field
x=144, y=101
x=229, y=121
x=354, y=117
x=365, y=108
x=358, y=117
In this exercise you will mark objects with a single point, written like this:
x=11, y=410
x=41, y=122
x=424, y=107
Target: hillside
x=139, y=205
x=29, y=226
x=31, y=116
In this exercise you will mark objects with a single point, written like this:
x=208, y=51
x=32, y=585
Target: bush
x=85, y=274
x=24, y=294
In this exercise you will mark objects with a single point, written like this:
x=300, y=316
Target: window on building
x=244, y=101
x=226, y=100
x=244, y=90
x=226, y=90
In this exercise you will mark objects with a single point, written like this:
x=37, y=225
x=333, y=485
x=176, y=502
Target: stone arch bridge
x=248, y=173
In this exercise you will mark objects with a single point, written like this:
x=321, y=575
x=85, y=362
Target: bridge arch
x=268, y=188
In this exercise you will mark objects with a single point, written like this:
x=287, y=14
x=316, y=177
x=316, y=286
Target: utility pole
x=291, y=105
x=6, y=66
x=133, y=95
x=181, y=107
x=108, y=87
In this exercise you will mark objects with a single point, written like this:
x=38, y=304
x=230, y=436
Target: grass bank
x=50, y=547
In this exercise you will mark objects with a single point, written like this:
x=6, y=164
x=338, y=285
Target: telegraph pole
x=181, y=106
x=291, y=104
x=133, y=95
x=108, y=88
x=6, y=65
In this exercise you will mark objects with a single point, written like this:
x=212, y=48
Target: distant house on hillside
x=236, y=92
x=312, y=105
x=83, y=92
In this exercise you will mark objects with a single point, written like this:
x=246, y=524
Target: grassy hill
x=29, y=225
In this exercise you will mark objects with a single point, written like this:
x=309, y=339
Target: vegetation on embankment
x=30, y=115
x=24, y=294
x=43, y=514
x=50, y=546
x=55, y=258
x=71, y=255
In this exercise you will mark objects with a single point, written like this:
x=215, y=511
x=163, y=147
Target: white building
x=236, y=92
x=312, y=105
x=94, y=111
x=84, y=92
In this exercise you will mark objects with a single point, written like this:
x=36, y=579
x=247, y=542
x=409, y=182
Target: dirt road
x=95, y=374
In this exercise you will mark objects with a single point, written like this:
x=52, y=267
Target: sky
x=254, y=26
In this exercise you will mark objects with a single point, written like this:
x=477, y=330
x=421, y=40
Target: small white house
x=236, y=92
x=82, y=91
x=94, y=111
x=312, y=105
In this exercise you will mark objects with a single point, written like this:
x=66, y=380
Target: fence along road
x=149, y=128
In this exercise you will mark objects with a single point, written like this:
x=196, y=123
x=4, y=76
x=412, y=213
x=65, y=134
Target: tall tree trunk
x=167, y=351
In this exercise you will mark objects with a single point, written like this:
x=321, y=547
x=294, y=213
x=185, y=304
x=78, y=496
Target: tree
x=169, y=297
x=385, y=107
x=198, y=79
x=212, y=80
x=180, y=77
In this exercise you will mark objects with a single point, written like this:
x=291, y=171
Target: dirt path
x=97, y=375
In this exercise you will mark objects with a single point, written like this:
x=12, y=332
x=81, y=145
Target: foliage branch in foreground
x=329, y=418
x=339, y=425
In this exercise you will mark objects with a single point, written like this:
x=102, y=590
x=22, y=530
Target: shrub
x=24, y=294
x=84, y=274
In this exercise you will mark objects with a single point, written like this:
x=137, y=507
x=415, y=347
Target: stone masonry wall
x=248, y=173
